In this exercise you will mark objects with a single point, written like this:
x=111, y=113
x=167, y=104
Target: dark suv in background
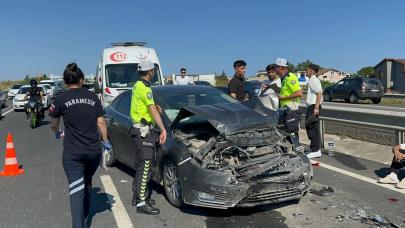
x=354, y=89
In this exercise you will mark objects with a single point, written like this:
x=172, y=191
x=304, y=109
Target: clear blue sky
x=203, y=36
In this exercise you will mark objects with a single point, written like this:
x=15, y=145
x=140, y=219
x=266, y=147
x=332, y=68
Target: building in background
x=332, y=75
x=391, y=72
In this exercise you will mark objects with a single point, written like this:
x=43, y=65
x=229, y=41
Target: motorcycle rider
x=37, y=94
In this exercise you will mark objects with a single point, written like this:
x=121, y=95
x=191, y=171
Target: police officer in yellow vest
x=144, y=114
x=290, y=100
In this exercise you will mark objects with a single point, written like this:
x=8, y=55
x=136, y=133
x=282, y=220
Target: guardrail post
x=322, y=132
x=399, y=137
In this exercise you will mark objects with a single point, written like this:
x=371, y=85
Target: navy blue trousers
x=79, y=169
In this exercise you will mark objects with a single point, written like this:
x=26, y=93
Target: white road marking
x=120, y=214
x=8, y=112
x=360, y=177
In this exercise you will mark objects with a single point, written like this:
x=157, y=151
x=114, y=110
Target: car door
x=123, y=124
x=338, y=89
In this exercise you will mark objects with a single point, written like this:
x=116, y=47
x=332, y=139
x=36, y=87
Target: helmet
x=33, y=83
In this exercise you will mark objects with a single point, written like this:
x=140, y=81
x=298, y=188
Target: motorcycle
x=34, y=110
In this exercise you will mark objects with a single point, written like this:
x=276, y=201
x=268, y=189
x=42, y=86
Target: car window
x=116, y=101
x=16, y=86
x=372, y=81
x=340, y=83
x=124, y=104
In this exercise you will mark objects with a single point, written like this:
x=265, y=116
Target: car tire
x=171, y=184
x=327, y=97
x=376, y=101
x=353, y=98
x=110, y=159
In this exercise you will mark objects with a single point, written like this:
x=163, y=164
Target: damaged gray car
x=218, y=154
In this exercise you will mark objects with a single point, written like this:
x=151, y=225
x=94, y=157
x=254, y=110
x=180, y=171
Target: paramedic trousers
x=313, y=126
x=79, y=169
x=144, y=159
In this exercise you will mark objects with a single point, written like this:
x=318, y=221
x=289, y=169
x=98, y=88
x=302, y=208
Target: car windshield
x=171, y=103
x=125, y=75
x=16, y=86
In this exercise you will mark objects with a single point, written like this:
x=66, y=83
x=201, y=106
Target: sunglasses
x=183, y=72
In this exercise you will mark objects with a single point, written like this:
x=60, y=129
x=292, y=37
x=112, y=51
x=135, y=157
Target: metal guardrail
x=398, y=96
x=399, y=131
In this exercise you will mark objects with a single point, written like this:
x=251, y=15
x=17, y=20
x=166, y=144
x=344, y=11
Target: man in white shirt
x=183, y=79
x=397, y=164
x=314, y=99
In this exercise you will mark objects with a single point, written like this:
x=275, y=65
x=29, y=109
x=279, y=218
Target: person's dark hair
x=239, y=63
x=271, y=67
x=314, y=67
x=143, y=73
x=72, y=74
x=183, y=69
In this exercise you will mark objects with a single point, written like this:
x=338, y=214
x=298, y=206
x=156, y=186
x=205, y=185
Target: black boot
x=148, y=209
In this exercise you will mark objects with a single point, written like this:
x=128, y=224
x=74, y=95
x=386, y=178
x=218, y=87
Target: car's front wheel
x=171, y=184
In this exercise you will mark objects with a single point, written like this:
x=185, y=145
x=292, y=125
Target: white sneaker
x=401, y=184
x=316, y=154
x=389, y=179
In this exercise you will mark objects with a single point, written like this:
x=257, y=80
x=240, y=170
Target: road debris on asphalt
x=322, y=191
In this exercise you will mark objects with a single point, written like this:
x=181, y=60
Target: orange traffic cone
x=10, y=163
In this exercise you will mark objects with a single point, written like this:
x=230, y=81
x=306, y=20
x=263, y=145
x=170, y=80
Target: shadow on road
x=349, y=161
x=262, y=216
x=98, y=203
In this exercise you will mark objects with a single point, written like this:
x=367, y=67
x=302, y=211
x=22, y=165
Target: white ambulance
x=117, y=69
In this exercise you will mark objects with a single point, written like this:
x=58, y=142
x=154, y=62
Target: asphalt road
x=39, y=197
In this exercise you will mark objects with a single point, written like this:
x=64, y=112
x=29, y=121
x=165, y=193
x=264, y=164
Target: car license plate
x=374, y=90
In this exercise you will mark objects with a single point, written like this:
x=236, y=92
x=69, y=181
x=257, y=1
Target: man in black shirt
x=236, y=88
x=83, y=119
x=35, y=93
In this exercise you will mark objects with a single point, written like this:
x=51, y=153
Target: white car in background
x=13, y=91
x=19, y=102
x=49, y=90
x=57, y=86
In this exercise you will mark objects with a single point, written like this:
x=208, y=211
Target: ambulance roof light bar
x=128, y=44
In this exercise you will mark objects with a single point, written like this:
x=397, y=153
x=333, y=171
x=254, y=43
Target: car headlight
x=204, y=196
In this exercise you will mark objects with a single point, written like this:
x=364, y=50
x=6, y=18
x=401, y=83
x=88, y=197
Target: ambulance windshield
x=125, y=75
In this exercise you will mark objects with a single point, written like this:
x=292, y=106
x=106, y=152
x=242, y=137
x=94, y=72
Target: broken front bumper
x=218, y=189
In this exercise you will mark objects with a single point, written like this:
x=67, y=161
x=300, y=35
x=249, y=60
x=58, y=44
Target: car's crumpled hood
x=228, y=118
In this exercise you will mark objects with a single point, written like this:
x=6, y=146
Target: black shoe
x=147, y=209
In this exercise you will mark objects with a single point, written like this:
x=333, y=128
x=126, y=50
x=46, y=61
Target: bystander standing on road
x=144, y=114
x=289, y=100
x=183, y=79
x=83, y=119
x=398, y=163
x=314, y=99
x=236, y=88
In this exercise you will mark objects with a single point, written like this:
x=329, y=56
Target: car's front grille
x=272, y=195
